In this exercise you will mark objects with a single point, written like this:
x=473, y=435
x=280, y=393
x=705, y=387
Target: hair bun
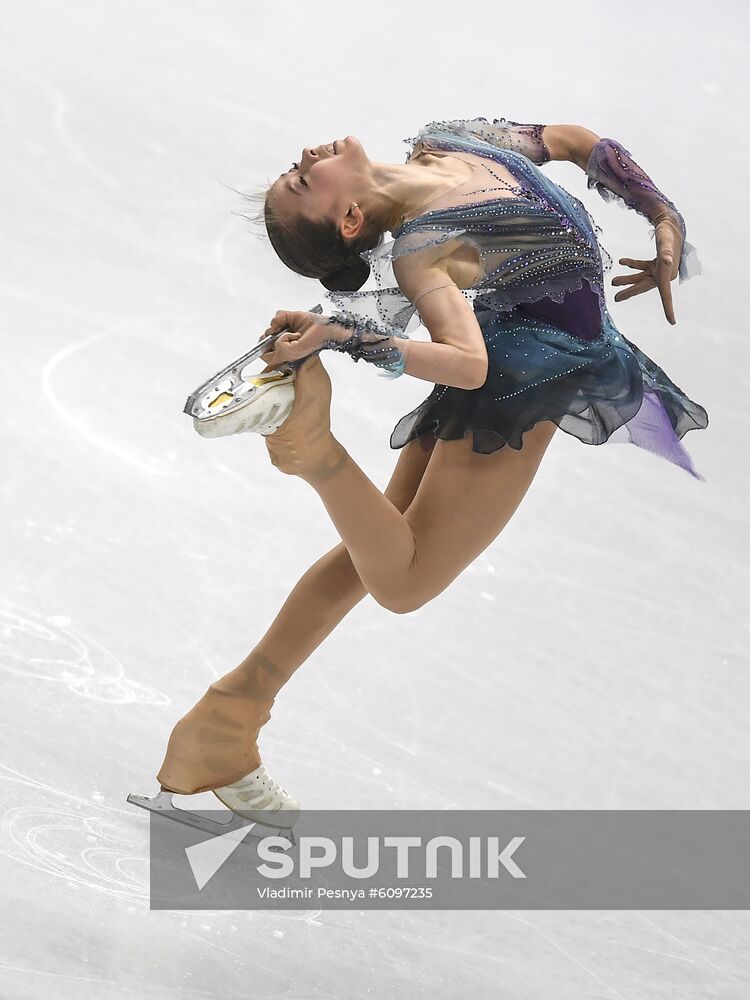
x=348, y=278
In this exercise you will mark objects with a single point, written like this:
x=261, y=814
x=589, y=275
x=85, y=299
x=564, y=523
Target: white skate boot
x=260, y=403
x=258, y=797
x=234, y=400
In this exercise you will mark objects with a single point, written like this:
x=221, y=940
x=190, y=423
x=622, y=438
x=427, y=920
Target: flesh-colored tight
x=443, y=506
x=216, y=742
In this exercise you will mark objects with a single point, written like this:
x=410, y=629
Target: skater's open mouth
x=329, y=147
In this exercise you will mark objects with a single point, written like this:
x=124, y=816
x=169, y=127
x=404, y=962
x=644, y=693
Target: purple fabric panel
x=651, y=429
x=579, y=313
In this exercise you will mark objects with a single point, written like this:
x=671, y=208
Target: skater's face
x=324, y=184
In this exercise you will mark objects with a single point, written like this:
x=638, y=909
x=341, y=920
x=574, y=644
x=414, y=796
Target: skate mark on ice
x=78, y=842
x=520, y=801
x=563, y=951
x=76, y=150
x=129, y=347
x=697, y=955
x=87, y=429
x=48, y=649
x=60, y=108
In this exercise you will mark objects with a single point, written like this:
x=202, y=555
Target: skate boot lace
x=260, y=787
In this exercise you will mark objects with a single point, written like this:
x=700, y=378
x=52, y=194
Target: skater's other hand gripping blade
x=162, y=805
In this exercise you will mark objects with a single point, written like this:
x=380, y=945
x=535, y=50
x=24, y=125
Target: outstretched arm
x=610, y=169
x=614, y=173
x=538, y=143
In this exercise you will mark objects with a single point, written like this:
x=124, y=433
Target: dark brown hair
x=316, y=248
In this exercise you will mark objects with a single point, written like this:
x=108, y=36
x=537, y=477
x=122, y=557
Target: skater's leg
x=215, y=743
x=463, y=502
x=326, y=592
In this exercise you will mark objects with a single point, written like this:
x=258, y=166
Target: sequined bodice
x=530, y=237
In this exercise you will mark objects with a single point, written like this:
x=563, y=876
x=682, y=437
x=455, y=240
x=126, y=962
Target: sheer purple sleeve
x=525, y=139
x=617, y=177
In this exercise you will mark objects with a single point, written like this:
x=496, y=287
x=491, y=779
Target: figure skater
x=507, y=273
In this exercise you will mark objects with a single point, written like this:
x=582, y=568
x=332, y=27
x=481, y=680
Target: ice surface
x=595, y=656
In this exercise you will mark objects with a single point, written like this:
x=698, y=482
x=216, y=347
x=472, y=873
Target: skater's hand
x=656, y=273
x=305, y=334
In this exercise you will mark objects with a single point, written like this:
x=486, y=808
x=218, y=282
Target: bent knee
x=402, y=604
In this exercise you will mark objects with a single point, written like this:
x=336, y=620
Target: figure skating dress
x=554, y=352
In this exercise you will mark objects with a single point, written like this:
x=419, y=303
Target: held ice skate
x=234, y=400
x=256, y=797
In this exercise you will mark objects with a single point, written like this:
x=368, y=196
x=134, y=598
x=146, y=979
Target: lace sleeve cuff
x=381, y=345
x=613, y=172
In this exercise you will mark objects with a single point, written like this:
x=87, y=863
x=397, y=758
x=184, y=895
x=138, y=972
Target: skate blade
x=162, y=804
x=225, y=391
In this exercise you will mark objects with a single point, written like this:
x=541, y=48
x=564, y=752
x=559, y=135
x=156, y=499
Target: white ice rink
x=595, y=656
